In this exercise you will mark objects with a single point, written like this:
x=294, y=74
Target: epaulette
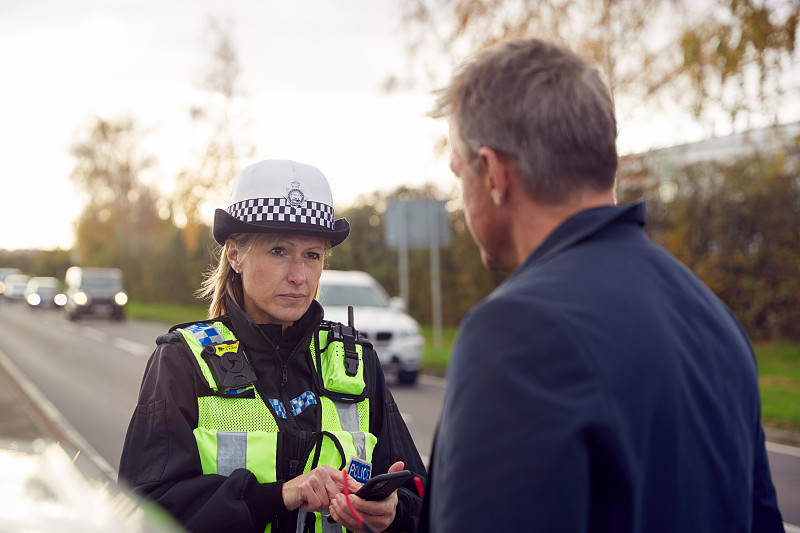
x=172, y=337
x=223, y=318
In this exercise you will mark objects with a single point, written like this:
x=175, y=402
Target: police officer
x=245, y=420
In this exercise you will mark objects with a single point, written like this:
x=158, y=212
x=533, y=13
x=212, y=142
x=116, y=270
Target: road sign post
x=414, y=224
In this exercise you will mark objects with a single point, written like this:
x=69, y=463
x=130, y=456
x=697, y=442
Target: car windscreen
x=100, y=281
x=357, y=296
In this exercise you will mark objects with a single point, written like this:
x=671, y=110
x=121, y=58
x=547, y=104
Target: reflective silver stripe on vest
x=301, y=521
x=348, y=416
x=327, y=527
x=231, y=451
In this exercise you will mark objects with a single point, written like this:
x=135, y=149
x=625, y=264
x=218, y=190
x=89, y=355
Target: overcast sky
x=312, y=69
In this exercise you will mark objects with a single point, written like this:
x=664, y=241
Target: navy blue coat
x=601, y=387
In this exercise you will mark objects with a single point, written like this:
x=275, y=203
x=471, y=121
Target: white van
x=394, y=334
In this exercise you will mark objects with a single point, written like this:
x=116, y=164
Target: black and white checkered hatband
x=260, y=210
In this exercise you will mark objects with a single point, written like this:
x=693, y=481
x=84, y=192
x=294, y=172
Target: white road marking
x=131, y=347
x=790, y=528
x=94, y=334
x=783, y=449
x=55, y=416
x=134, y=348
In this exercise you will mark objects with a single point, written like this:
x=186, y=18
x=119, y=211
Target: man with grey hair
x=602, y=386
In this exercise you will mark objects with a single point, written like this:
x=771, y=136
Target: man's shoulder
x=526, y=286
x=515, y=304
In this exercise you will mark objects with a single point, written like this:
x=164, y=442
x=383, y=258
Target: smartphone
x=381, y=486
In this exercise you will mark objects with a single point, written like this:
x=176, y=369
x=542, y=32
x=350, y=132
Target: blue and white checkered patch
x=205, y=334
x=280, y=410
x=303, y=401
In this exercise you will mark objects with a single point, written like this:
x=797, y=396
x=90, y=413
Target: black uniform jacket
x=160, y=458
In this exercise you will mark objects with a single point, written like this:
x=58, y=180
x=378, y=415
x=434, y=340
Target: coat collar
x=580, y=226
x=248, y=331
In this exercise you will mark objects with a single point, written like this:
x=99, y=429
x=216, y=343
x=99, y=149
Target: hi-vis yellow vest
x=237, y=429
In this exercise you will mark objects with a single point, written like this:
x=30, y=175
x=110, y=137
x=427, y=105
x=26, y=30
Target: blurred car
x=14, y=286
x=48, y=486
x=394, y=334
x=44, y=291
x=6, y=272
x=95, y=291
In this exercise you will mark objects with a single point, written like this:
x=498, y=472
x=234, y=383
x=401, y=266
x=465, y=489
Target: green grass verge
x=779, y=377
x=169, y=314
x=778, y=363
x=435, y=358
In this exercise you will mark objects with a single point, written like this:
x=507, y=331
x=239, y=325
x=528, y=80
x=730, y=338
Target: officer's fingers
x=398, y=466
x=378, y=514
x=339, y=480
x=330, y=478
x=331, y=473
x=377, y=507
x=326, y=470
x=292, y=493
x=341, y=513
x=333, y=487
x=306, y=491
x=319, y=486
x=352, y=485
x=314, y=500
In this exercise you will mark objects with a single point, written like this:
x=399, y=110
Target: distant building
x=663, y=164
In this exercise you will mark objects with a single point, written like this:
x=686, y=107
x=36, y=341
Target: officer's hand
x=379, y=515
x=314, y=491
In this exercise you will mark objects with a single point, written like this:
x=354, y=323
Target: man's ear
x=497, y=174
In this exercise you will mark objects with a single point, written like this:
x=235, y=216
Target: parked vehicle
x=95, y=291
x=44, y=291
x=4, y=272
x=14, y=287
x=395, y=335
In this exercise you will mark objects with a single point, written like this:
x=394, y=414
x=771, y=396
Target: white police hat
x=280, y=196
